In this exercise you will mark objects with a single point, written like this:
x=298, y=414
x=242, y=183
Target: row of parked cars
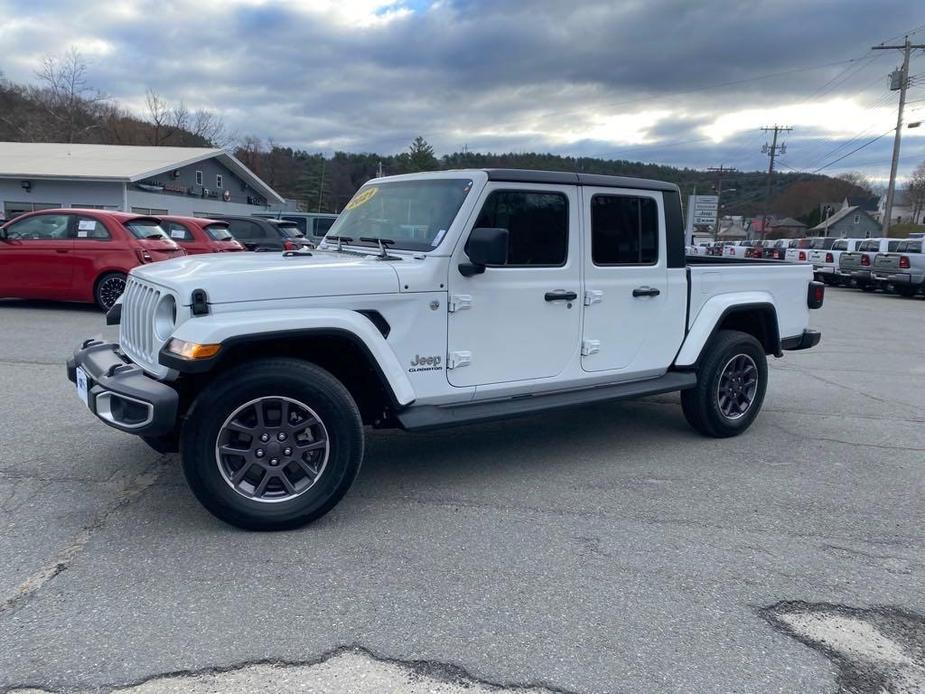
x=85, y=255
x=896, y=265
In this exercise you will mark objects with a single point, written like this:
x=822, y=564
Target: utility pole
x=906, y=48
x=379, y=170
x=772, y=151
x=720, y=171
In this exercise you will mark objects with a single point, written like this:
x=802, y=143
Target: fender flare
x=230, y=329
x=711, y=316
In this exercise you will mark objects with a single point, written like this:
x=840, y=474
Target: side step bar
x=424, y=417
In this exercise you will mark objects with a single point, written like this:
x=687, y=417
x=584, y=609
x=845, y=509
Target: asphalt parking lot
x=605, y=549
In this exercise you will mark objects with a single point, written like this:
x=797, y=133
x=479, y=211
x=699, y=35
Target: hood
x=230, y=277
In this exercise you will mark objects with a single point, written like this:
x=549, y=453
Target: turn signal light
x=904, y=262
x=191, y=350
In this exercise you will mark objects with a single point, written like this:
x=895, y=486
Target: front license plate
x=83, y=389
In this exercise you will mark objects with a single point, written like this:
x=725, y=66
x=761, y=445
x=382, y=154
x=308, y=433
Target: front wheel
x=731, y=384
x=272, y=444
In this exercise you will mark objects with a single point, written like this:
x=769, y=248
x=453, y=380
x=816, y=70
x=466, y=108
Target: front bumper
x=809, y=339
x=121, y=394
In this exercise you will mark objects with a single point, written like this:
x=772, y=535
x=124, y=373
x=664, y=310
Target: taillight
x=904, y=262
x=802, y=255
x=290, y=245
x=865, y=260
x=815, y=295
x=143, y=255
x=829, y=258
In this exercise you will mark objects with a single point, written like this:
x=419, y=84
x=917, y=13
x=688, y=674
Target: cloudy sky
x=683, y=82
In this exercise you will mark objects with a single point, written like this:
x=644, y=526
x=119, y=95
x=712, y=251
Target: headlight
x=165, y=317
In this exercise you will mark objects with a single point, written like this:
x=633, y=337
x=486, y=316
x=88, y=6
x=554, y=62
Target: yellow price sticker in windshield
x=361, y=198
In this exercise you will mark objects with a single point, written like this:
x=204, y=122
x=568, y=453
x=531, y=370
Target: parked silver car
x=903, y=270
x=855, y=266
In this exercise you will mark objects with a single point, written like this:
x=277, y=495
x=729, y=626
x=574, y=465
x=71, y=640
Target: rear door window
x=624, y=230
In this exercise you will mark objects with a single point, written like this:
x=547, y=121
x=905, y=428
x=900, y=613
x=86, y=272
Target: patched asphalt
x=605, y=549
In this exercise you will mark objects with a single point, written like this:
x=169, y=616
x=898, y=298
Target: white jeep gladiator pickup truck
x=435, y=299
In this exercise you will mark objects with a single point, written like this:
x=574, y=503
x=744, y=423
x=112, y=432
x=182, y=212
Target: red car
x=197, y=235
x=78, y=254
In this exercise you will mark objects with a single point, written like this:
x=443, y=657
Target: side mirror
x=484, y=247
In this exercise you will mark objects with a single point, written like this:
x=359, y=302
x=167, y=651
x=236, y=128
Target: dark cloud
x=540, y=75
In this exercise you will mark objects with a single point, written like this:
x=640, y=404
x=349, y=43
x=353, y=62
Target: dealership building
x=148, y=180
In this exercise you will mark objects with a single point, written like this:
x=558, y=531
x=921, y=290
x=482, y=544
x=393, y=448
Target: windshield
x=413, y=214
x=219, y=232
x=145, y=229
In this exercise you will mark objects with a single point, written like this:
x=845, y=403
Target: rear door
x=519, y=321
x=634, y=306
x=35, y=258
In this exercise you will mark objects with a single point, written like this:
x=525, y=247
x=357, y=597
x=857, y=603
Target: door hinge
x=459, y=302
x=593, y=296
x=589, y=347
x=457, y=360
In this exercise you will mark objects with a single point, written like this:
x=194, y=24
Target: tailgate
x=817, y=256
x=849, y=260
x=887, y=262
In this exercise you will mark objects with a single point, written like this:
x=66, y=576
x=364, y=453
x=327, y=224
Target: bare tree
x=68, y=99
x=211, y=128
x=158, y=115
x=915, y=190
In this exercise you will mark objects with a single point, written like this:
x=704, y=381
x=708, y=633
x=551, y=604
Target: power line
x=857, y=149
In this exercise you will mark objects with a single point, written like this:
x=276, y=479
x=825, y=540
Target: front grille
x=136, y=329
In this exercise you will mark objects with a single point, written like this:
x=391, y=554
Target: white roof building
x=151, y=180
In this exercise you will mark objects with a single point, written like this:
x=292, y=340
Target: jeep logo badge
x=431, y=363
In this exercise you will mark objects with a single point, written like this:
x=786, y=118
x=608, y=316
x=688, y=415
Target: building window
x=149, y=210
x=199, y=178
x=218, y=181
x=857, y=219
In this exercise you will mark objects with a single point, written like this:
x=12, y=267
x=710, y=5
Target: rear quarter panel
x=716, y=288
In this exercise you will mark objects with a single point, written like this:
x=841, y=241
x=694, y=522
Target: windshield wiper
x=341, y=240
x=155, y=236
x=383, y=244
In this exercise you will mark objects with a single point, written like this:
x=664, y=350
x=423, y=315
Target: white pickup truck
x=435, y=299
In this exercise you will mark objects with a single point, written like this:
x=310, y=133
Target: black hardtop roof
x=579, y=179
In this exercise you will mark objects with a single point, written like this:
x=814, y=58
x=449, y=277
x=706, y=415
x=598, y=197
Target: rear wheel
x=272, y=445
x=109, y=288
x=866, y=287
x=905, y=290
x=731, y=384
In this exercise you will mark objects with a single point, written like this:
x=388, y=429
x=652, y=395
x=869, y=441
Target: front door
x=635, y=305
x=519, y=321
x=34, y=258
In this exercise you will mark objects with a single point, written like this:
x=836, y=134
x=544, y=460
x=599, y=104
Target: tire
x=702, y=405
x=320, y=463
x=865, y=287
x=108, y=288
x=905, y=290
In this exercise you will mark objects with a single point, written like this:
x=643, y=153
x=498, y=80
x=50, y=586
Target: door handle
x=646, y=291
x=561, y=295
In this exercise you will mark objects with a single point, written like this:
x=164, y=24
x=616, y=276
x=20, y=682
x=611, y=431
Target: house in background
x=192, y=181
x=851, y=222
x=903, y=210
x=786, y=228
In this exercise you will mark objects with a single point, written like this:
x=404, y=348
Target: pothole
x=875, y=650
x=347, y=670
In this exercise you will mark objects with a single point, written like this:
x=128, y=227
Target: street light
x=914, y=125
